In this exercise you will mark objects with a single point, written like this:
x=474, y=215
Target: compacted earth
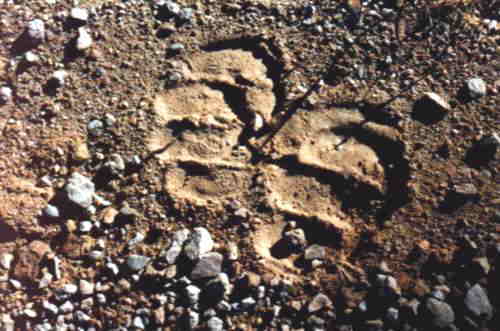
x=249, y=165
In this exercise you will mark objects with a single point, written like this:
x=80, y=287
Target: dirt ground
x=271, y=112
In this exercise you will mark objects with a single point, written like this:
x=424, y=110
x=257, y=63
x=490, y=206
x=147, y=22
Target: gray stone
x=137, y=262
x=315, y=252
x=209, y=265
x=477, y=302
x=51, y=211
x=200, y=242
x=438, y=313
x=173, y=252
x=296, y=238
x=392, y=314
x=80, y=190
x=36, y=30
x=319, y=302
x=95, y=127
x=115, y=163
x=476, y=87
x=215, y=324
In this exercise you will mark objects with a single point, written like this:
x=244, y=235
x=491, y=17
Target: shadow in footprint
x=23, y=44
x=453, y=201
x=427, y=112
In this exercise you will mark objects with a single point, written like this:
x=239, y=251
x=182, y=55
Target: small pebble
x=59, y=77
x=5, y=94
x=6, y=260
x=66, y=307
x=30, y=57
x=85, y=226
x=86, y=287
x=476, y=87
x=137, y=262
x=95, y=127
x=70, y=288
x=36, y=30
x=215, y=324
x=80, y=14
x=84, y=40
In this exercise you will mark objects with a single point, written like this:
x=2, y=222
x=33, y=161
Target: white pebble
x=50, y=307
x=36, y=29
x=70, y=288
x=66, y=307
x=60, y=76
x=85, y=226
x=31, y=57
x=15, y=283
x=84, y=39
x=5, y=94
x=80, y=14
x=6, y=260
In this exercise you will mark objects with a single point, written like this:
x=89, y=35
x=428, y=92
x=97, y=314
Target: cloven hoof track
x=324, y=167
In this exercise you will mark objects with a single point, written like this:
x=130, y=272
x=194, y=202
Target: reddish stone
x=27, y=261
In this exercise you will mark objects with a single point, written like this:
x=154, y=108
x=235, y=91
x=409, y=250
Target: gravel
x=51, y=211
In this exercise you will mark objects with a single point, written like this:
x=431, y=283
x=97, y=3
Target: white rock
x=258, y=122
x=85, y=226
x=438, y=100
x=215, y=324
x=70, y=288
x=46, y=280
x=57, y=267
x=36, y=29
x=200, y=242
x=31, y=57
x=476, y=87
x=6, y=260
x=15, y=283
x=80, y=190
x=7, y=323
x=113, y=268
x=193, y=294
x=5, y=94
x=86, y=287
x=194, y=319
x=60, y=77
x=101, y=298
x=84, y=39
x=50, y=307
x=66, y=307
x=80, y=14
x=138, y=323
